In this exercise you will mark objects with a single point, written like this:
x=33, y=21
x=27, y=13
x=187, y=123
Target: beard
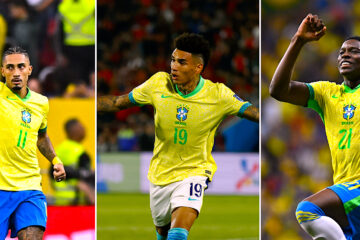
x=16, y=88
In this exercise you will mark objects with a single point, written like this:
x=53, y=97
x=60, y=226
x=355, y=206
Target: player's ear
x=199, y=68
x=30, y=69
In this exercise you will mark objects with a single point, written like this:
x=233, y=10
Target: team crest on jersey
x=348, y=111
x=182, y=112
x=25, y=116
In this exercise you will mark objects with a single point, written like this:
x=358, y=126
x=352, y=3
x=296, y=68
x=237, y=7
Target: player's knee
x=178, y=234
x=307, y=211
x=31, y=233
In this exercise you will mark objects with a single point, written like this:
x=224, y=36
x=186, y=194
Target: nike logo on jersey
x=10, y=98
x=193, y=199
x=334, y=96
x=164, y=96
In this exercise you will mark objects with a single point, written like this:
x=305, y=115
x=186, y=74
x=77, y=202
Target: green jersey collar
x=347, y=89
x=27, y=96
x=196, y=90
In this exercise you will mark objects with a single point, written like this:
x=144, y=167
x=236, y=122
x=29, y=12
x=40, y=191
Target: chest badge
x=25, y=116
x=348, y=111
x=182, y=112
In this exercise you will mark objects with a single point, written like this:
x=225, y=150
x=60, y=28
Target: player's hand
x=311, y=28
x=59, y=172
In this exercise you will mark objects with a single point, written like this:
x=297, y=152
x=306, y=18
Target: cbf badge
x=182, y=112
x=348, y=112
x=25, y=116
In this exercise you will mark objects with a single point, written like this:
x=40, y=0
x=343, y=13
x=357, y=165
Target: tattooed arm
x=45, y=147
x=113, y=103
x=252, y=114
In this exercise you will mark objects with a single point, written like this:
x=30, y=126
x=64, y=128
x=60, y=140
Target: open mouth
x=345, y=64
x=16, y=80
x=174, y=76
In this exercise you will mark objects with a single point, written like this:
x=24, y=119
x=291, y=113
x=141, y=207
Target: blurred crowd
x=296, y=161
x=38, y=26
x=135, y=41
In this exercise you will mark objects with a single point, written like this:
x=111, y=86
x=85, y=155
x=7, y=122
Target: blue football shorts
x=349, y=194
x=21, y=209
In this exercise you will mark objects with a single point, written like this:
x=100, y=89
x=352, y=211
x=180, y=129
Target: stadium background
x=32, y=25
x=135, y=41
x=295, y=155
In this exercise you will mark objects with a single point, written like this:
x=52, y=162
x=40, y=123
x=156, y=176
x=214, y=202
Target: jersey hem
x=164, y=183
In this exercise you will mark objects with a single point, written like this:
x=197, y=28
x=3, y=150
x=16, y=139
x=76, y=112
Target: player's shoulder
x=215, y=87
x=325, y=84
x=39, y=98
x=160, y=76
x=2, y=84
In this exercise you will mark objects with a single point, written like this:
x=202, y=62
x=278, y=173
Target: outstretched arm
x=45, y=147
x=251, y=113
x=281, y=88
x=113, y=103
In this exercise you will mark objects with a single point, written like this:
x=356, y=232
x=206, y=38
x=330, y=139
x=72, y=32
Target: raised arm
x=281, y=88
x=252, y=114
x=113, y=103
x=45, y=147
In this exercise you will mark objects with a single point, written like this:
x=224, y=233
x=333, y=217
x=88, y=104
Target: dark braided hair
x=15, y=50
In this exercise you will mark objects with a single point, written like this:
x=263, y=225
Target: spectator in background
x=35, y=85
x=79, y=187
x=33, y=22
x=25, y=30
x=76, y=37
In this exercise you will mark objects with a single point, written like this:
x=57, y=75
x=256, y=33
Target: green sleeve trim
x=43, y=130
x=243, y=108
x=351, y=205
x=132, y=99
x=196, y=90
x=313, y=104
x=311, y=90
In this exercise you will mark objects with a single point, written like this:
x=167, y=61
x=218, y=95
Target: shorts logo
x=238, y=98
x=182, y=112
x=348, y=112
x=193, y=199
x=25, y=116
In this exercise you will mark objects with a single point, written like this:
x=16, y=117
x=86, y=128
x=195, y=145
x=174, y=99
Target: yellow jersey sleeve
x=43, y=125
x=143, y=94
x=232, y=103
x=316, y=101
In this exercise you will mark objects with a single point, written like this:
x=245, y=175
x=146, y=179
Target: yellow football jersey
x=21, y=120
x=185, y=125
x=337, y=106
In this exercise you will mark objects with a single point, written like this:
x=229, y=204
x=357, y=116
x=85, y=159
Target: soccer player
x=334, y=212
x=23, y=116
x=188, y=109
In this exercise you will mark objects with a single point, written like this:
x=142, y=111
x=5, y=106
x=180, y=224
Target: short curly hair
x=194, y=44
x=15, y=50
x=353, y=38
